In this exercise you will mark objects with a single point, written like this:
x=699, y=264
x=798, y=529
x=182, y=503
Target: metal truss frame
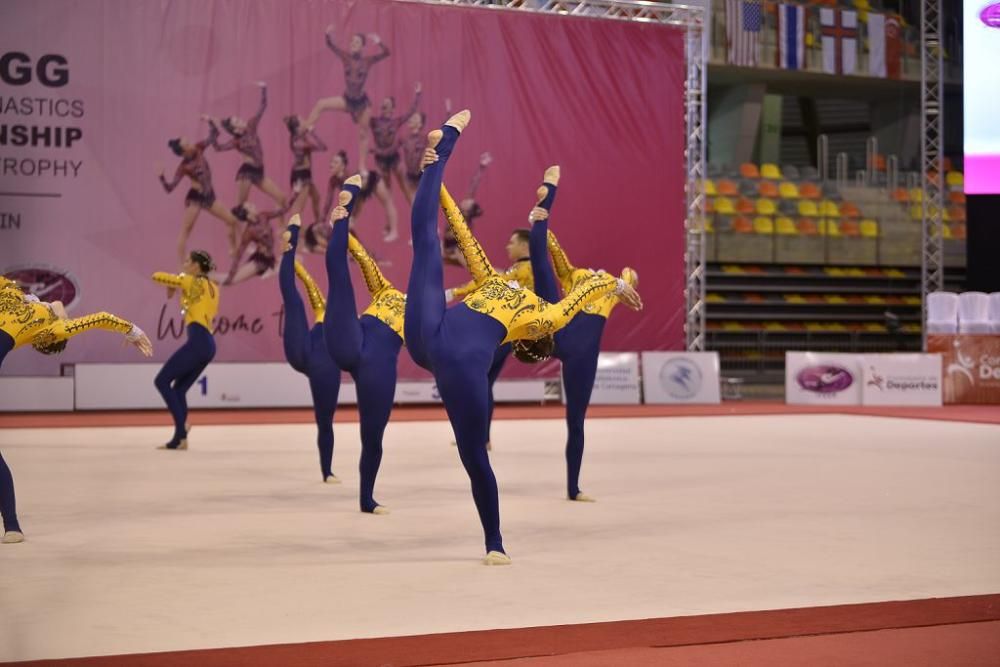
x=932, y=153
x=694, y=21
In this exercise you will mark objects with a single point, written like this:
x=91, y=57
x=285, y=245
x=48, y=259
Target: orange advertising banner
x=971, y=367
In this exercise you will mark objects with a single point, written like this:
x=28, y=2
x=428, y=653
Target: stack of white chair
x=974, y=313
x=995, y=311
x=942, y=313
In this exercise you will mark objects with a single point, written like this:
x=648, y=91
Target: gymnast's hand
x=537, y=213
x=629, y=296
x=138, y=338
x=429, y=158
x=339, y=213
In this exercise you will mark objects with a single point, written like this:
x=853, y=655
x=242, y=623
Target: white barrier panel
x=901, y=379
x=232, y=385
x=617, y=381
x=24, y=394
x=680, y=377
x=504, y=391
x=821, y=378
x=244, y=385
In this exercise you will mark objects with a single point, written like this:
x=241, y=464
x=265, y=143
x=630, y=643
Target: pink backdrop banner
x=95, y=88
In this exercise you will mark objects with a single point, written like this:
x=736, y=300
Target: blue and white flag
x=791, y=52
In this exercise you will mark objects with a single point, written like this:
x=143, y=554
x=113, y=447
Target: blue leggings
x=456, y=344
x=577, y=347
x=499, y=359
x=306, y=353
x=180, y=372
x=367, y=348
x=8, y=504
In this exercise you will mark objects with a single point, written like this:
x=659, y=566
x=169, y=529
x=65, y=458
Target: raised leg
x=295, y=337
x=425, y=302
x=271, y=189
x=187, y=225
x=326, y=104
x=342, y=331
x=242, y=191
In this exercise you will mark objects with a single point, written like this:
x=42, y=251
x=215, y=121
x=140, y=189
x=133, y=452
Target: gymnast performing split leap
x=578, y=345
x=305, y=348
x=457, y=344
x=199, y=304
x=368, y=346
x=25, y=319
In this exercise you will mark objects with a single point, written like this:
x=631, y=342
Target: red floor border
x=459, y=647
x=983, y=414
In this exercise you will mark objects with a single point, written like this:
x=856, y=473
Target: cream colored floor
x=236, y=542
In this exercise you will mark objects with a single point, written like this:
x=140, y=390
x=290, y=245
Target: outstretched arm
x=558, y=315
x=339, y=52
x=252, y=123
x=63, y=329
x=173, y=280
x=475, y=257
x=374, y=280
x=213, y=136
x=477, y=178
x=413, y=107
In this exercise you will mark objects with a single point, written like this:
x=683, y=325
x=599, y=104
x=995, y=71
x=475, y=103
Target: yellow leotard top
x=199, y=296
x=522, y=312
x=569, y=277
x=519, y=271
x=388, y=303
x=316, y=299
x=35, y=322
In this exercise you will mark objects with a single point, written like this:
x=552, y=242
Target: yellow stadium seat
x=946, y=231
x=894, y=273
x=788, y=190
x=916, y=195
x=724, y=205
x=954, y=179
x=785, y=225
x=829, y=228
x=911, y=300
x=829, y=209
x=710, y=187
x=770, y=171
x=766, y=207
x=807, y=208
x=875, y=300
x=916, y=212
x=794, y=298
x=835, y=298
x=869, y=228
x=763, y=225
x=709, y=227
x=713, y=297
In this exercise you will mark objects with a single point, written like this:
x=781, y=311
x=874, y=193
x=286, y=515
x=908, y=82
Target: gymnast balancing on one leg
x=25, y=319
x=457, y=344
x=579, y=344
x=305, y=349
x=199, y=304
x=368, y=346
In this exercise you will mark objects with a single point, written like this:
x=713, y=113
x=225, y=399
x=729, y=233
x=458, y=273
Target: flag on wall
x=744, y=19
x=791, y=52
x=839, y=28
x=893, y=48
x=876, y=44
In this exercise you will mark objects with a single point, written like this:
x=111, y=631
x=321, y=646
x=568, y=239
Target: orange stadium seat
x=808, y=227
x=849, y=210
x=709, y=205
x=902, y=195
x=749, y=170
x=744, y=205
x=957, y=197
x=768, y=189
x=810, y=191
x=849, y=228
x=958, y=231
x=727, y=188
x=742, y=225
x=957, y=213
